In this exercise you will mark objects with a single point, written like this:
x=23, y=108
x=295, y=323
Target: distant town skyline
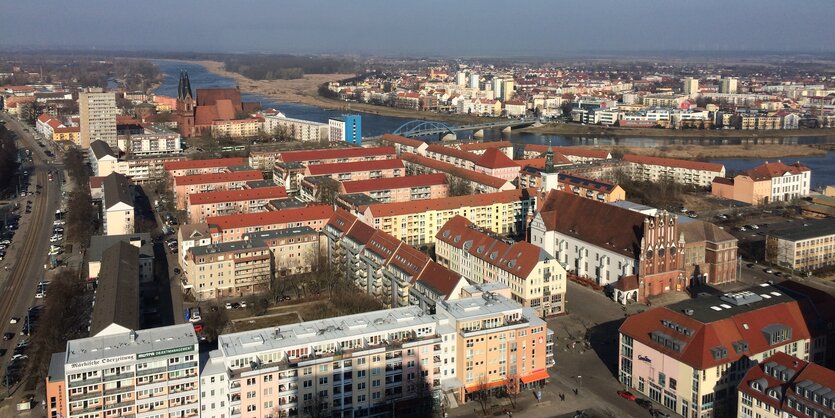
x=432, y=27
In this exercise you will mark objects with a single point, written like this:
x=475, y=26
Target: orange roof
x=197, y=164
x=308, y=213
x=536, y=376
x=354, y=166
x=439, y=278
x=768, y=170
x=470, y=175
x=220, y=196
x=249, y=175
x=360, y=186
x=334, y=153
x=448, y=203
x=67, y=130
x=493, y=158
x=673, y=162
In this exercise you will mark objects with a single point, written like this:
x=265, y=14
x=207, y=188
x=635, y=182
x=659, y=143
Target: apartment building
x=289, y=175
x=574, y=154
x=185, y=186
x=46, y=125
x=478, y=182
x=358, y=170
x=97, y=110
x=689, y=173
x=210, y=166
x=228, y=269
x=479, y=148
x=233, y=227
x=535, y=278
x=102, y=159
x=294, y=250
x=337, y=155
x=374, y=364
x=70, y=134
x=691, y=356
x=403, y=145
x=100, y=243
x=804, y=248
x=237, y=128
x=296, y=129
x=663, y=100
x=150, y=372
x=390, y=270
x=400, y=189
x=710, y=253
x=638, y=254
x=417, y=223
x=154, y=140
x=491, y=161
x=786, y=386
x=117, y=205
x=601, y=191
x=228, y=202
x=766, y=183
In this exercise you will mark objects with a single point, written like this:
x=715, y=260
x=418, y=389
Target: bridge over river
x=423, y=128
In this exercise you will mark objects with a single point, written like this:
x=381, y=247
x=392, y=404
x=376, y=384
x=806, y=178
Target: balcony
x=182, y=366
x=116, y=391
x=119, y=376
x=87, y=410
x=235, y=399
x=117, y=405
x=84, y=382
x=155, y=370
x=83, y=396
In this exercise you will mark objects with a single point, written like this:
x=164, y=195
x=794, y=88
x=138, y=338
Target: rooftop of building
x=769, y=170
x=448, y=203
x=132, y=342
x=673, y=162
x=218, y=177
x=287, y=203
x=100, y=150
x=402, y=140
x=117, y=290
x=334, y=153
x=359, y=186
x=265, y=236
x=355, y=166
x=116, y=189
x=307, y=213
x=99, y=243
x=198, y=164
x=357, y=200
x=470, y=175
x=575, y=151
x=780, y=376
x=220, y=196
x=245, y=245
x=808, y=229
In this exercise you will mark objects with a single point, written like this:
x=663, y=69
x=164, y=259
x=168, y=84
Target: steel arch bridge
x=414, y=128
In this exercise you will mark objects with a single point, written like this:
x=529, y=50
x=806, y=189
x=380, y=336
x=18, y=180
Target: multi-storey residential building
x=100, y=243
x=535, y=278
x=663, y=100
x=185, y=186
x=728, y=85
x=151, y=372
x=786, y=386
x=97, y=110
x=46, y=125
x=403, y=145
x=492, y=161
x=193, y=167
x=388, y=269
x=690, y=86
x=228, y=202
x=337, y=155
x=599, y=190
x=479, y=182
x=710, y=253
x=418, y=222
x=233, y=227
x=400, y=189
x=102, y=159
x=766, y=183
x=690, y=356
x=691, y=173
x=153, y=140
x=805, y=248
x=237, y=128
x=294, y=250
x=347, y=128
x=228, y=269
x=70, y=134
x=297, y=129
x=117, y=205
x=506, y=147
x=367, y=364
x=638, y=254
x=358, y=170
x=574, y=154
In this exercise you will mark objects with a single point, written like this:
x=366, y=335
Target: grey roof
x=287, y=203
x=807, y=229
x=359, y=199
x=223, y=247
x=116, y=189
x=117, y=292
x=262, y=236
x=121, y=344
x=257, y=184
x=56, y=367
x=707, y=309
x=101, y=149
x=99, y=243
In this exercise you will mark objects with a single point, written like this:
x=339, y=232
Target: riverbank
x=591, y=130
x=306, y=91
x=704, y=153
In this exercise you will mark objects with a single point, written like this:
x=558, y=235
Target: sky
x=422, y=27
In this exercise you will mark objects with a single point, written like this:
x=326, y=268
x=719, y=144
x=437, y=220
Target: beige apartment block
x=98, y=111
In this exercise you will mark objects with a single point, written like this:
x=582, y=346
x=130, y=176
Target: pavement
x=28, y=252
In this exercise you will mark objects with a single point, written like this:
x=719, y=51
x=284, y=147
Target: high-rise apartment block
x=98, y=117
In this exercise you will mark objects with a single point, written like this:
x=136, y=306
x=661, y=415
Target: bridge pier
x=478, y=134
x=448, y=137
x=506, y=130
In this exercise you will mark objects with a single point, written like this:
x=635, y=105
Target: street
x=30, y=245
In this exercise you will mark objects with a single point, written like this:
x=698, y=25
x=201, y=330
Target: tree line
x=8, y=160
x=285, y=67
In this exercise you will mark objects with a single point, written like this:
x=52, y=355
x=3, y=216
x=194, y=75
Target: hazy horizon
x=433, y=27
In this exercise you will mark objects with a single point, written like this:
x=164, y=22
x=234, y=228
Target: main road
x=31, y=243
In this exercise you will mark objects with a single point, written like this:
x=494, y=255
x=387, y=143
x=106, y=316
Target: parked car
x=17, y=357
x=242, y=304
x=626, y=395
x=769, y=270
x=228, y=305
x=643, y=403
x=14, y=320
x=8, y=336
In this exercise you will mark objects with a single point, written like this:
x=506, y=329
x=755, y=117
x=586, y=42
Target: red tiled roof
x=383, y=245
x=452, y=152
x=342, y=220
x=96, y=182
x=360, y=232
x=493, y=158
x=333, y=153
x=220, y=196
x=354, y=166
x=360, y=186
x=768, y=170
x=249, y=175
x=518, y=258
x=463, y=173
x=205, y=115
x=67, y=130
x=673, y=162
x=768, y=381
x=447, y=203
x=439, y=278
x=44, y=117
x=409, y=260
x=210, y=97
x=576, y=151
x=723, y=180
x=607, y=226
x=283, y=216
x=197, y=164
x=402, y=140
x=747, y=325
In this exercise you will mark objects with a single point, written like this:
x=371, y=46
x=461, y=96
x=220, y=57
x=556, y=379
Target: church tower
x=185, y=106
x=549, y=159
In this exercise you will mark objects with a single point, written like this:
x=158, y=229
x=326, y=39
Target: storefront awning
x=535, y=376
x=485, y=386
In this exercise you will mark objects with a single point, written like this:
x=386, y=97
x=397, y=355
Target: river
x=823, y=167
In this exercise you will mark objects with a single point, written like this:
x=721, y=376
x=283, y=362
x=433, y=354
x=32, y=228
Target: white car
x=55, y=251
x=56, y=238
x=14, y=320
x=59, y=222
x=19, y=357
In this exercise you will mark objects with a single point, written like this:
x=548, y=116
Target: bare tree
x=512, y=388
x=458, y=186
x=482, y=394
x=328, y=190
x=214, y=321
